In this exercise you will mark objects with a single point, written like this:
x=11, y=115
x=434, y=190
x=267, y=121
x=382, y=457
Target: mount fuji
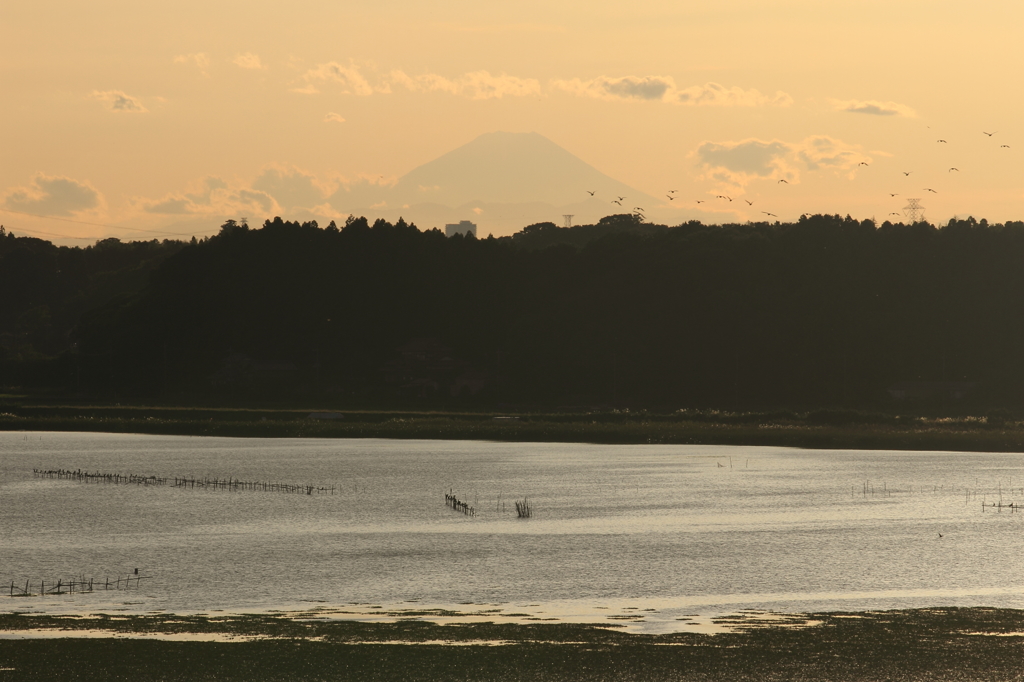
x=501, y=181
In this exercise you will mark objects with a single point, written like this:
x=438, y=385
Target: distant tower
x=568, y=220
x=914, y=210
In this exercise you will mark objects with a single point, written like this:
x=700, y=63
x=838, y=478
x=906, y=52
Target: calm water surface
x=637, y=534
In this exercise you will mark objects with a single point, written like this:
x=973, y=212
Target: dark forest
x=826, y=311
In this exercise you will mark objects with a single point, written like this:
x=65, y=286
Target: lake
x=654, y=537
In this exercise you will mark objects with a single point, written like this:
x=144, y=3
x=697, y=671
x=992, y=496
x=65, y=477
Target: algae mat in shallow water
x=932, y=644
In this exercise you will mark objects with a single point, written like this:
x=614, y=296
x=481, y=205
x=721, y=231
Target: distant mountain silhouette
x=509, y=168
x=501, y=180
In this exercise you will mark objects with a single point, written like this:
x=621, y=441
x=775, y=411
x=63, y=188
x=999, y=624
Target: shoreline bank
x=925, y=644
x=852, y=431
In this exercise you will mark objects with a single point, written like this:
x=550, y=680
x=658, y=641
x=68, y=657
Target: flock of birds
x=951, y=169
x=638, y=211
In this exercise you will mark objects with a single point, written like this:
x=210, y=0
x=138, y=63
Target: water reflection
x=670, y=531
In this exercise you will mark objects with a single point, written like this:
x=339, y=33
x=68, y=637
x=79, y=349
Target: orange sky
x=169, y=120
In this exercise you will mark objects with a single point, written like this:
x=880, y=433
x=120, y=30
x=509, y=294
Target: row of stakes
x=868, y=488
x=523, y=509
x=458, y=505
x=78, y=585
x=999, y=506
x=232, y=484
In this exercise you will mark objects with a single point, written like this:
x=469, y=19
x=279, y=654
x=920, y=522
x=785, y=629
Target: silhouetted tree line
x=45, y=290
x=824, y=311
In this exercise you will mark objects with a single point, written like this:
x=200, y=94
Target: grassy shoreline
x=819, y=430
x=923, y=644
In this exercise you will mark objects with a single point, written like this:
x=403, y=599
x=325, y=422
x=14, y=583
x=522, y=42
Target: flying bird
x=1004, y=145
x=617, y=202
x=700, y=201
x=929, y=189
x=863, y=163
x=894, y=213
x=749, y=202
x=672, y=191
x=942, y=141
x=722, y=196
x=621, y=198
x=953, y=169
x=990, y=135
x=783, y=180
x=907, y=172
x=638, y=208
x=590, y=193
x=771, y=214
x=670, y=197
x=894, y=194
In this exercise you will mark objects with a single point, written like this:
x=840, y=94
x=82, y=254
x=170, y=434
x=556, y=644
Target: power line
x=49, y=234
x=112, y=227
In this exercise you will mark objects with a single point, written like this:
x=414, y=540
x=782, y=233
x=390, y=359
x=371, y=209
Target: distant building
x=462, y=227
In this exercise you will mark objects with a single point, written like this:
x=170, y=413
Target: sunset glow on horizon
x=138, y=122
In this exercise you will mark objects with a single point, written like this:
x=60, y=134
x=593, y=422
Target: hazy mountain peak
x=501, y=180
x=503, y=167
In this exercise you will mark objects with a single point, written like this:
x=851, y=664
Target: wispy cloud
x=227, y=201
x=200, y=197
x=118, y=101
x=291, y=187
x=737, y=164
x=873, y=108
x=713, y=94
x=822, y=151
x=52, y=195
x=278, y=188
x=348, y=79
x=475, y=85
x=247, y=198
x=333, y=118
x=248, y=61
x=170, y=206
x=200, y=59
x=624, y=88
x=664, y=89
